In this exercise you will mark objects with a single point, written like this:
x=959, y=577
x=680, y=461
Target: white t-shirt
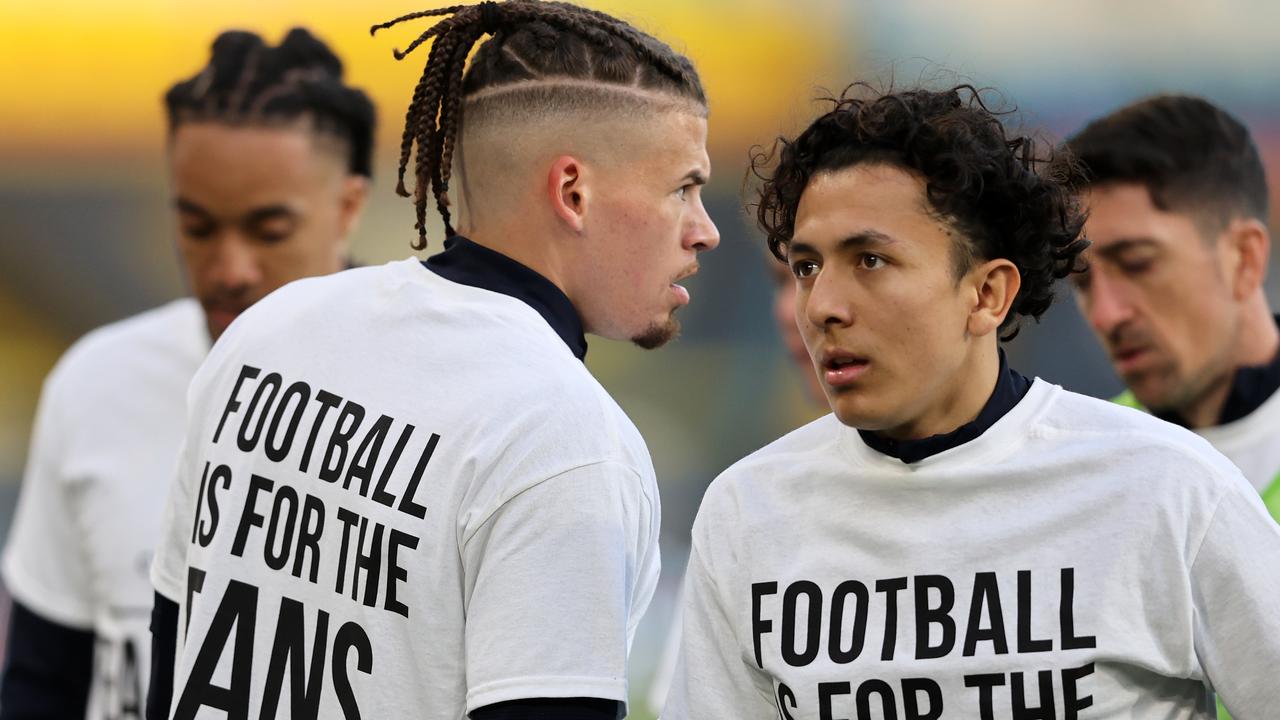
x=1253, y=444
x=1079, y=557
x=102, y=454
x=411, y=493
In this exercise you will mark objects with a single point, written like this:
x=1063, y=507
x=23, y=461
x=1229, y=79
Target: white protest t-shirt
x=105, y=441
x=1253, y=444
x=400, y=496
x=1077, y=560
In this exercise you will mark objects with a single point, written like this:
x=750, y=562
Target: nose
x=702, y=234
x=826, y=304
x=234, y=266
x=1106, y=303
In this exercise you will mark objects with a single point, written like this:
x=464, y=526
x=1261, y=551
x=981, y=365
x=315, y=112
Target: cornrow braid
x=531, y=40
x=248, y=81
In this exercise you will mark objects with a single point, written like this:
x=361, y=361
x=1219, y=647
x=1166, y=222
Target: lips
x=842, y=367
x=681, y=292
x=1129, y=359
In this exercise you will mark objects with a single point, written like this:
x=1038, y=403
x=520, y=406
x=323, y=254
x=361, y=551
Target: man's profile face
x=1156, y=296
x=648, y=226
x=877, y=302
x=257, y=208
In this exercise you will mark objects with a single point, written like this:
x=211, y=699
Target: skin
x=784, y=318
x=875, y=281
x=258, y=207
x=611, y=213
x=1177, y=306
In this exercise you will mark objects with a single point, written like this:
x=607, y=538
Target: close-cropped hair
x=1191, y=155
x=1004, y=196
x=572, y=52
x=248, y=82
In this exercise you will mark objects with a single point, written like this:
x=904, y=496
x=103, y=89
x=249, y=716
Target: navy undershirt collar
x=468, y=263
x=1010, y=388
x=1250, y=387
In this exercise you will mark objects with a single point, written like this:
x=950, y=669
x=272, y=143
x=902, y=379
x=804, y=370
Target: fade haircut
x=1006, y=196
x=248, y=82
x=542, y=56
x=1192, y=156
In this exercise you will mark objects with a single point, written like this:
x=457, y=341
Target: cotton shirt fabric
x=103, y=450
x=474, y=519
x=1078, y=559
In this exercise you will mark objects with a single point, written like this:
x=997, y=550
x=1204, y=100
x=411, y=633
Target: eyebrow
x=255, y=215
x=185, y=205
x=857, y=241
x=695, y=177
x=1119, y=247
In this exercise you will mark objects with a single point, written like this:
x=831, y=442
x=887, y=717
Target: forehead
x=877, y=198
x=1121, y=212
x=233, y=164
x=667, y=141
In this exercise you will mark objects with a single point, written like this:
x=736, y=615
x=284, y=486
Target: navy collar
x=1250, y=387
x=468, y=263
x=1010, y=388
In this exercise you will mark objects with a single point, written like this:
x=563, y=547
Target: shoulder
x=793, y=455
x=170, y=334
x=1105, y=427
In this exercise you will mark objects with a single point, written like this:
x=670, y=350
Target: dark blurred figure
x=269, y=157
x=1177, y=217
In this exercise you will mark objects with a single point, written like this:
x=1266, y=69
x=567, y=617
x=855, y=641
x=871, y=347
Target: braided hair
x=250, y=82
x=531, y=41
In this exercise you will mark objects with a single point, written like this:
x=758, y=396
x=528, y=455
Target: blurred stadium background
x=86, y=231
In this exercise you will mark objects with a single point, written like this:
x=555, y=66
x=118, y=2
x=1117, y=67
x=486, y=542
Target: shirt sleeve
x=713, y=676
x=48, y=669
x=169, y=565
x=45, y=566
x=559, y=576
x=1236, y=586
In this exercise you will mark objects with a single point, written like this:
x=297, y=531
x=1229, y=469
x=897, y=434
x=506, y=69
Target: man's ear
x=354, y=195
x=995, y=284
x=567, y=191
x=1250, y=245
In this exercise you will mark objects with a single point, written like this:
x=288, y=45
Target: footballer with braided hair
x=402, y=493
x=269, y=155
x=956, y=539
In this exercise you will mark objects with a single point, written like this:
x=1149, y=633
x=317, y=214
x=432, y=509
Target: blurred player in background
x=957, y=538
x=1177, y=207
x=426, y=506
x=269, y=158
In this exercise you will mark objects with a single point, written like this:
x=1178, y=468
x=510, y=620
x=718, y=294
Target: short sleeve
x=169, y=566
x=1236, y=585
x=45, y=564
x=713, y=678
x=560, y=575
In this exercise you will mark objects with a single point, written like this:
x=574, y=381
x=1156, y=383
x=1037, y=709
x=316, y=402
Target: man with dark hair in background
x=956, y=538
x=402, y=485
x=269, y=153
x=1177, y=203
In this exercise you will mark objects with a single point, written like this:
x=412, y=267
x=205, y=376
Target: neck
x=1257, y=343
x=971, y=387
x=527, y=247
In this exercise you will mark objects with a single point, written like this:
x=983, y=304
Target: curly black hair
x=1008, y=197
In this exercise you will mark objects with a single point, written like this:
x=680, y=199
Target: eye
x=683, y=192
x=870, y=261
x=198, y=231
x=1136, y=267
x=804, y=269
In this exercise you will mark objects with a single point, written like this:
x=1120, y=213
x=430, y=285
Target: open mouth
x=841, y=368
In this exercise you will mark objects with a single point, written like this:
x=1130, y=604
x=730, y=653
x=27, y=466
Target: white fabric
x=1133, y=567
x=105, y=441
x=1252, y=443
x=527, y=544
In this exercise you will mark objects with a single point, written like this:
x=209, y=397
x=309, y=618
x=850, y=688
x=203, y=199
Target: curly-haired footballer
x=957, y=540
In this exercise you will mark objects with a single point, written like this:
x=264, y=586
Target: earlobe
x=567, y=192
x=355, y=193
x=1253, y=248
